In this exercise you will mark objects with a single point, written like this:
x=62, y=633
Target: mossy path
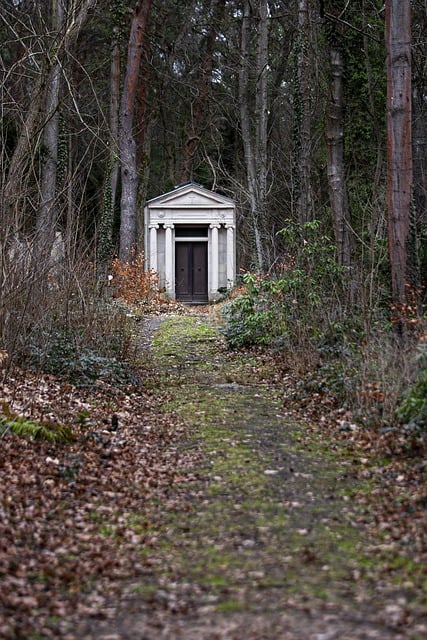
x=261, y=536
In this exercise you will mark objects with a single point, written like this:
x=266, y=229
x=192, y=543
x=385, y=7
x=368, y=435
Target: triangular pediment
x=189, y=195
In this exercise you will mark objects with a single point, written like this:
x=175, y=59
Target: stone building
x=190, y=240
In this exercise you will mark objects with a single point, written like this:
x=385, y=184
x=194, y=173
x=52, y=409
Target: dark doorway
x=191, y=271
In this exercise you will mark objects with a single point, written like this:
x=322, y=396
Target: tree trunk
x=199, y=107
x=335, y=159
x=304, y=115
x=254, y=135
x=147, y=122
x=114, y=118
x=261, y=114
x=419, y=147
x=129, y=173
x=419, y=113
x=47, y=216
x=399, y=150
x=105, y=237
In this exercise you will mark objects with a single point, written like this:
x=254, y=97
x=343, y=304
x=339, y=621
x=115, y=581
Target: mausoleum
x=190, y=240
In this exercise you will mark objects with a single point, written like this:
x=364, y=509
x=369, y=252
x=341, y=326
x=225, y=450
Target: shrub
x=71, y=330
x=250, y=318
x=84, y=353
x=133, y=284
x=297, y=303
x=301, y=310
x=413, y=406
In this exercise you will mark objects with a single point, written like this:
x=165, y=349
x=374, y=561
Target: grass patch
x=231, y=606
x=288, y=531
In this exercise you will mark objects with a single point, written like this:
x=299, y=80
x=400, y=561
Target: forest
x=310, y=116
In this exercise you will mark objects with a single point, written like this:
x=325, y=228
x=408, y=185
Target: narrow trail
x=260, y=538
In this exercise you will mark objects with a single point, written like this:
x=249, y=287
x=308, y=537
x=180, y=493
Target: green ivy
x=105, y=242
x=67, y=352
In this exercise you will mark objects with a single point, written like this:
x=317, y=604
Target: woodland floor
x=215, y=511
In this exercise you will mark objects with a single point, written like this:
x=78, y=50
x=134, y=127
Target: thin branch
x=333, y=18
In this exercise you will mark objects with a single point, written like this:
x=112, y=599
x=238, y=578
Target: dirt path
x=260, y=536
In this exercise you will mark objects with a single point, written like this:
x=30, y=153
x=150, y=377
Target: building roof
x=190, y=194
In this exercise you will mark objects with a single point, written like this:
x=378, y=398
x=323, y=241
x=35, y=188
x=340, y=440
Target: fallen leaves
x=69, y=515
x=77, y=529
x=387, y=456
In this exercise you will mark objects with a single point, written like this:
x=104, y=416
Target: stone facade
x=190, y=240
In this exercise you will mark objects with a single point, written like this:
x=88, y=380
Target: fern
x=45, y=431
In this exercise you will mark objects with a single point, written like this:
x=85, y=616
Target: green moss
x=146, y=591
x=242, y=532
x=219, y=581
x=107, y=530
x=230, y=606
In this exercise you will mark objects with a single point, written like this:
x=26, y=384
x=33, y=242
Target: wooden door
x=191, y=271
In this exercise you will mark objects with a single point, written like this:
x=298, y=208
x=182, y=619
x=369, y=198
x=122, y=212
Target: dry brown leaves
x=392, y=461
x=72, y=517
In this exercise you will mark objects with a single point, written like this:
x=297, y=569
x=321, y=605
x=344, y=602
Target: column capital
x=168, y=225
x=215, y=225
x=230, y=226
x=153, y=225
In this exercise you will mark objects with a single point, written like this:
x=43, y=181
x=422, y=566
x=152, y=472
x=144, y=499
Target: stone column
x=153, y=246
x=169, y=274
x=214, y=268
x=230, y=254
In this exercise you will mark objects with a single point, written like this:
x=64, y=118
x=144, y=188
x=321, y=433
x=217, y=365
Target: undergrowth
x=412, y=409
x=38, y=430
x=302, y=314
x=83, y=352
x=83, y=330
x=133, y=284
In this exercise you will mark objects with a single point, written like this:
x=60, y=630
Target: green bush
x=251, y=318
x=84, y=353
x=291, y=305
x=61, y=352
x=413, y=406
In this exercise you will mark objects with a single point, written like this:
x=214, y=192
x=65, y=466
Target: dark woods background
x=281, y=106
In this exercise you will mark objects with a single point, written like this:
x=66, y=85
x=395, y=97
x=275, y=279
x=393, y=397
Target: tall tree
x=419, y=128
x=303, y=114
x=35, y=117
x=105, y=239
x=47, y=216
x=199, y=106
x=399, y=147
x=127, y=143
x=115, y=76
x=253, y=102
x=338, y=195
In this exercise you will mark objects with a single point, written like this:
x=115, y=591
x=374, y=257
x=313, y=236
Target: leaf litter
x=157, y=525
